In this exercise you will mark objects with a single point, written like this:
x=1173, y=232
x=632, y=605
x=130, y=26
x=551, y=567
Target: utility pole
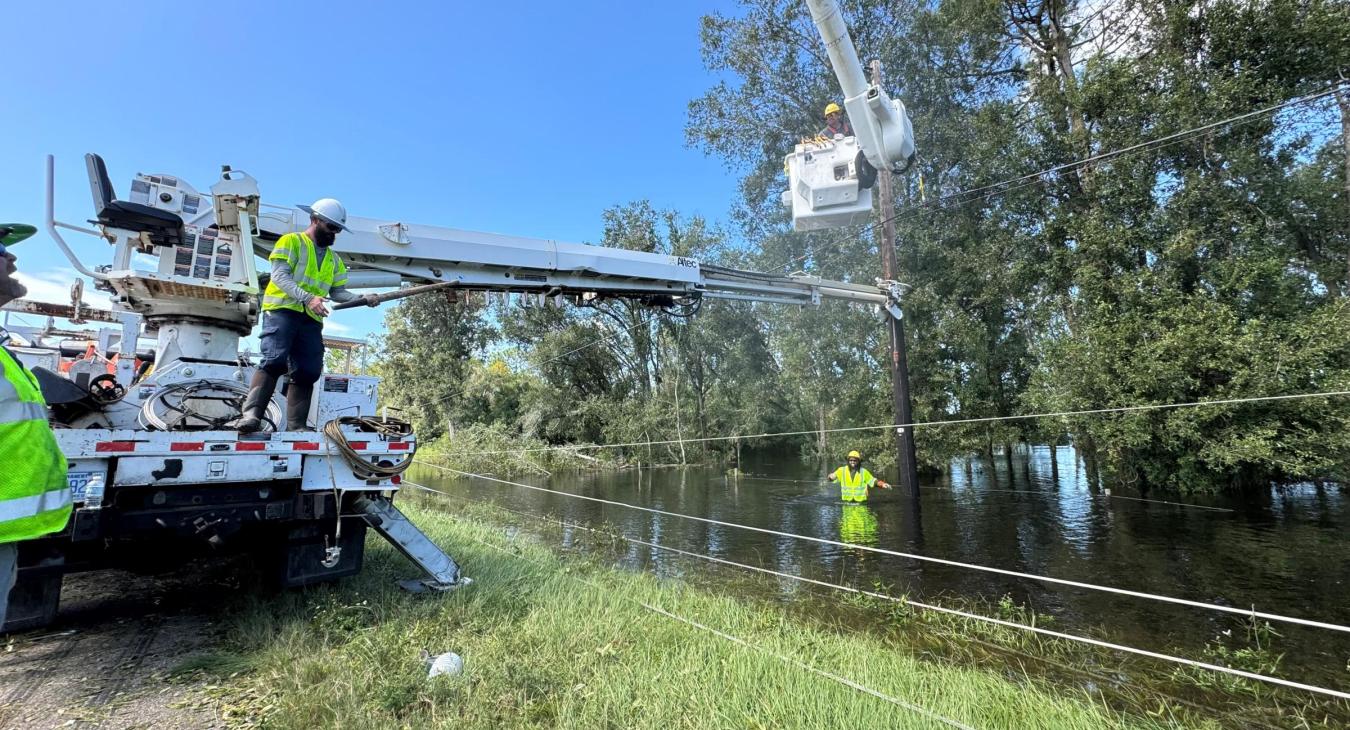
x=904, y=412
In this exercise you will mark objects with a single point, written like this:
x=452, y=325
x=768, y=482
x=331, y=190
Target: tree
x=1210, y=267
x=424, y=360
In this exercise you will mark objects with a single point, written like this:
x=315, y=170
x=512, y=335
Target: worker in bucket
x=35, y=498
x=835, y=123
x=854, y=480
x=305, y=272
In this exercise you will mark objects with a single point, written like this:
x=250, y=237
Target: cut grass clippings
x=557, y=642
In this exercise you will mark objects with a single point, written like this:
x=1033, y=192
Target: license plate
x=78, y=481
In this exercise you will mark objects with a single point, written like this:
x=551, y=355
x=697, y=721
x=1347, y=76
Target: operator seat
x=57, y=390
x=163, y=227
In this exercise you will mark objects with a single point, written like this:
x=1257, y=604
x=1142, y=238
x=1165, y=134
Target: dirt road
x=106, y=662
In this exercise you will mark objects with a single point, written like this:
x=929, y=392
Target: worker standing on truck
x=854, y=480
x=305, y=272
x=34, y=496
x=835, y=123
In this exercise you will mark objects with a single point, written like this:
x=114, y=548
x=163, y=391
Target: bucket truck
x=157, y=475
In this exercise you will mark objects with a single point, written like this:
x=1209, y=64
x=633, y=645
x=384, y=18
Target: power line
x=1252, y=613
x=828, y=675
x=924, y=424
x=950, y=611
x=953, y=492
x=842, y=680
x=990, y=190
x=985, y=192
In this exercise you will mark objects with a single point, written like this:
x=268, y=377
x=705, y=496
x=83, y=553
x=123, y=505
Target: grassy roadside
x=544, y=649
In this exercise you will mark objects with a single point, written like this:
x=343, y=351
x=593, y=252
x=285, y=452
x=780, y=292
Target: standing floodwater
x=1281, y=552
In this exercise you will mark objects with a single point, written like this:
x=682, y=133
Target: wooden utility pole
x=904, y=412
x=1343, y=100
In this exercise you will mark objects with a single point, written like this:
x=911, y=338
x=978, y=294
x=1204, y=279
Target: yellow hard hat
x=832, y=108
x=854, y=455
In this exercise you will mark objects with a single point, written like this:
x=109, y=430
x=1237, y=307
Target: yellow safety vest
x=34, y=497
x=317, y=277
x=853, y=487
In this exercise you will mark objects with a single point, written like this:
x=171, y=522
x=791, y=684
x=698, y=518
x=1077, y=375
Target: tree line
x=1215, y=265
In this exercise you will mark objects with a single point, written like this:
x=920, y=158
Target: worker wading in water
x=854, y=480
x=305, y=272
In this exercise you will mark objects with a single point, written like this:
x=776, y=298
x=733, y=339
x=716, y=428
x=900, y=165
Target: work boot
x=297, y=405
x=255, y=405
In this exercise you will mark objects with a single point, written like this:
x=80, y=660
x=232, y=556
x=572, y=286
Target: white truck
x=158, y=478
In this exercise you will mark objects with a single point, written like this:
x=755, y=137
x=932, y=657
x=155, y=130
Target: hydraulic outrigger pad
x=441, y=569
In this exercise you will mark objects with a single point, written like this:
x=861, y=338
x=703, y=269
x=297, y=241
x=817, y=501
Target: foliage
x=424, y=359
x=496, y=449
x=1215, y=266
x=1211, y=268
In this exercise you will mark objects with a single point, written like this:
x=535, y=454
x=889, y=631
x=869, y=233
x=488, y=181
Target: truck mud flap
x=441, y=569
x=302, y=560
x=37, y=591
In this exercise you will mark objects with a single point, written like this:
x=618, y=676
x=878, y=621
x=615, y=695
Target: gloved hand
x=371, y=300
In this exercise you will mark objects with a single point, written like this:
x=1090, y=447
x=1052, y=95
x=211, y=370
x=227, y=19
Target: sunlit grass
x=558, y=642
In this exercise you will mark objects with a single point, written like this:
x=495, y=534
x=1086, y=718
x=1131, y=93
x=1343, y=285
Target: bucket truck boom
x=830, y=180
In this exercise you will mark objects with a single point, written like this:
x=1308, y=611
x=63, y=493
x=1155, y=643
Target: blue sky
x=510, y=117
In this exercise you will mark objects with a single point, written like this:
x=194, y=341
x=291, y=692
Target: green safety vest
x=853, y=487
x=34, y=496
x=315, y=276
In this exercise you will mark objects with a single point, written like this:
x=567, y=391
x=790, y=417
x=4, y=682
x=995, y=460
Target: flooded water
x=1284, y=552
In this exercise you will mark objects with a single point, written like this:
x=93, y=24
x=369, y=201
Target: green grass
x=552, y=641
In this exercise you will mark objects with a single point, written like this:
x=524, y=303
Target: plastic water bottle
x=93, y=492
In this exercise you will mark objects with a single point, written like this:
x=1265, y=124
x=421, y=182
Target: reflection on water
x=858, y=525
x=1282, y=552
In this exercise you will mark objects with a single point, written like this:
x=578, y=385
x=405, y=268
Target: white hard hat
x=327, y=209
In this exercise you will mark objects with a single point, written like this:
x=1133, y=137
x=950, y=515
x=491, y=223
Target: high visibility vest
x=853, y=486
x=314, y=275
x=34, y=497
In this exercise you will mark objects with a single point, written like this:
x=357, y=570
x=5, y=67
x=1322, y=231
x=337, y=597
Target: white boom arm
x=390, y=253
x=879, y=122
x=830, y=180
x=192, y=239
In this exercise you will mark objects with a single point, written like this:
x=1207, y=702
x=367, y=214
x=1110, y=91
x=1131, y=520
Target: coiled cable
x=180, y=407
x=385, y=427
